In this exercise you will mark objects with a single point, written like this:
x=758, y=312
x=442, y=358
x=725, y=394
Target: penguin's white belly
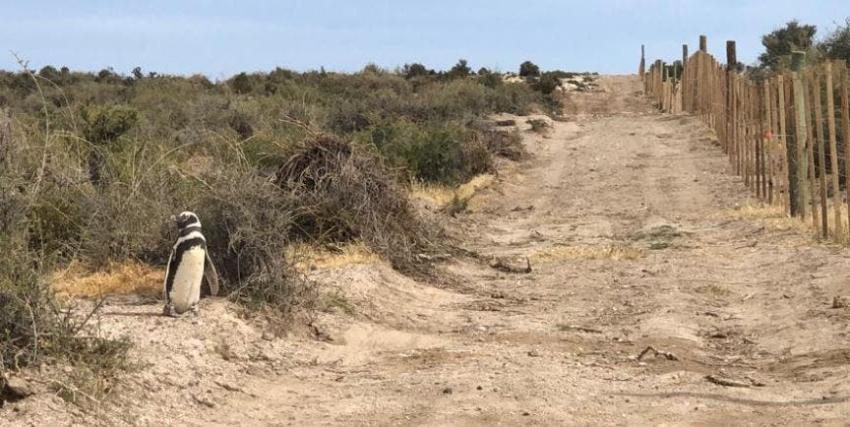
x=186, y=290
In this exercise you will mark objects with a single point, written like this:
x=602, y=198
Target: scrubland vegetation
x=794, y=35
x=94, y=164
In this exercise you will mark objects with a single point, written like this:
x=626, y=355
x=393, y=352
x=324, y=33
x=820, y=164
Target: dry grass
x=125, y=278
x=771, y=216
x=441, y=196
x=714, y=290
x=312, y=257
x=615, y=252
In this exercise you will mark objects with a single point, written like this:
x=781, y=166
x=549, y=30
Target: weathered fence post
x=762, y=126
x=758, y=133
x=833, y=149
x=796, y=147
x=820, y=142
x=642, y=68
x=782, y=128
x=731, y=67
x=659, y=80
x=810, y=148
x=845, y=125
x=703, y=44
x=686, y=77
x=767, y=137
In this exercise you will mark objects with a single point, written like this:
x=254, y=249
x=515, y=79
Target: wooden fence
x=787, y=134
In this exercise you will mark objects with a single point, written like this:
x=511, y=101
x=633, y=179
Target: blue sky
x=220, y=38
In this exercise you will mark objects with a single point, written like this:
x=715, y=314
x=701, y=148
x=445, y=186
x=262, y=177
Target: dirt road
x=639, y=238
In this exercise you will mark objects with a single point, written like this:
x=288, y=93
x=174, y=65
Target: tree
x=528, y=69
x=102, y=126
x=780, y=42
x=546, y=84
x=49, y=73
x=137, y=73
x=489, y=78
x=461, y=69
x=414, y=70
x=836, y=45
x=241, y=83
x=370, y=68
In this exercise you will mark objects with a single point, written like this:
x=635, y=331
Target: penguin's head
x=186, y=219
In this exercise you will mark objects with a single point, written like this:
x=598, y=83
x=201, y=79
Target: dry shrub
x=119, y=224
x=540, y=126
x=476, y=157
x=247, y=220
x=24, y=302
x=33, y=325
x=348, y=194
x=507, y=144
x=35, y=328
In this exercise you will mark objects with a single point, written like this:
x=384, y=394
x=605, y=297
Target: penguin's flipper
x=211, y=275
x=169, y=278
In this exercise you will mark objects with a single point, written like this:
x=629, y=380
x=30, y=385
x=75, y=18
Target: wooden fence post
x=768, y=137
x=845, y=125
x=642, y=68
x=810, y=149
x=820, y=141
x=763, y=125
x=731, y=112
x=740, y=130
x=659, y=80
x=797, y=158
x=782, y=128
x=686, y=76
x=833, y=149
x=703, y=44
x=752, y=166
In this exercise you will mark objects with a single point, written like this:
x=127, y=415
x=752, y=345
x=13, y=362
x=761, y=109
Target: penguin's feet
x=169, y=310
x=194, y=310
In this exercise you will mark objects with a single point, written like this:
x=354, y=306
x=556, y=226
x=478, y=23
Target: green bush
x=415, y=70
x=102, y=127
x=780, y=42
x=33, y=327
x=529, y=69
x=431, y=151
x=489, y=79
x=546, y=84
x=104, y=124
x=836, y=45
x=241, y=83
x=460, y=70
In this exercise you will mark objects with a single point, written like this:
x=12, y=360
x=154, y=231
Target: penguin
x=188, y=265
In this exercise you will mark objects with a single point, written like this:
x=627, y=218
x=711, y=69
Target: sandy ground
x=638, y=237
